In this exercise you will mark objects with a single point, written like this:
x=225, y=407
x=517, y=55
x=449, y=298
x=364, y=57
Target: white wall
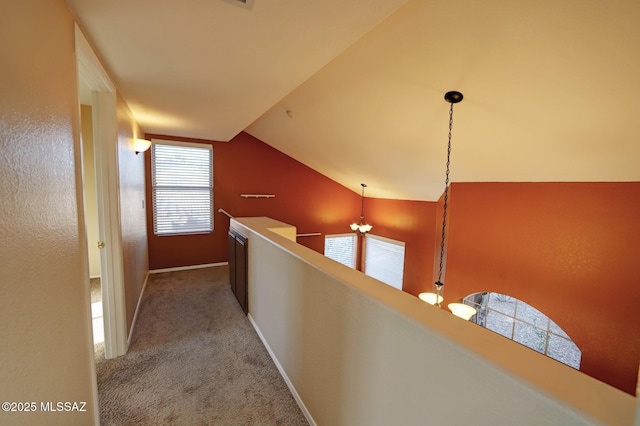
x=359, y=352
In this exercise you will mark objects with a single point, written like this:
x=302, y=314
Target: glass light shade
x=354, y=227
x=365, y=228
x=141, y=145
x=461, y=310
x=431, y=298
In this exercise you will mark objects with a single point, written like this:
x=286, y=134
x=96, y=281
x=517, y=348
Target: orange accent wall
x=245, y=165
x=413, y=223
x=304, y=198
x=568, y=249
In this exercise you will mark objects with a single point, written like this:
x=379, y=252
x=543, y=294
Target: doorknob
x=100, y=244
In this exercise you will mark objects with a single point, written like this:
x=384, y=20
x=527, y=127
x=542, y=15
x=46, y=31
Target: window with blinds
x=182, y=182
x=384, y=260
x=341, y=248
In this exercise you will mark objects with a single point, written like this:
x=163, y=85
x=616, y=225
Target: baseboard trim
x=185, y=268
x=135, y=315
x=303, y=407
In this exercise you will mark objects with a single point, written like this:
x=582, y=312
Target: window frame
x=351, y=235
x=546, y=332
x=365, y=250
x=154, y=188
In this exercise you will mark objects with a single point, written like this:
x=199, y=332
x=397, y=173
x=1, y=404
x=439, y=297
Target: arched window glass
x=524, y=324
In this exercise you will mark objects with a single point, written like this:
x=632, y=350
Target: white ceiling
x=552, y=89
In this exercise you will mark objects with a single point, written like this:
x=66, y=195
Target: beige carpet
x=96, y=292
x=194, y=360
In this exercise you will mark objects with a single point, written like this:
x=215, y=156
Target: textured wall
x=568, y=249
x=359, y=352
x=131, y=174
x=412, y=222
x=45, y=324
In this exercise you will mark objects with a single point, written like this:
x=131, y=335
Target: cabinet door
x=238, y=279
x=241, y=274
x=232, y=261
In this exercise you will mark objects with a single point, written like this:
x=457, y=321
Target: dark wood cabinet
x=238, y=268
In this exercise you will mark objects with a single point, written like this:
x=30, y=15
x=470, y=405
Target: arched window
x=524, y=324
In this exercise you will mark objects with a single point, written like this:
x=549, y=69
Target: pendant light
x=458, y=309
x=452, y=97
x=461, y=310
x=431, y=298
x=362, y=228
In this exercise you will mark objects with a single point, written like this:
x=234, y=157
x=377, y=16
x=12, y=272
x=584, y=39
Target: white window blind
x=341, y=248
x=182, y=181
x=384, y=260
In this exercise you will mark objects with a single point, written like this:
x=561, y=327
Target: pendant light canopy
x=362, y=228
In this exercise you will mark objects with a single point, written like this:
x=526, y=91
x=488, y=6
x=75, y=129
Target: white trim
x=171, y=184
x=203, y=145
x=135, y=315
x=354, y=238
x=383, y=275
x=185, y=268
x=385, y=239
x=343, y=234
x=303, y=407
x=112, y=268
x=90, y=70
x=93, y=75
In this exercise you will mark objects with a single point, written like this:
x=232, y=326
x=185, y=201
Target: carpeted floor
x=194, y=359
x=96, y=292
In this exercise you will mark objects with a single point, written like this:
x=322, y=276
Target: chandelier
x=362, y=228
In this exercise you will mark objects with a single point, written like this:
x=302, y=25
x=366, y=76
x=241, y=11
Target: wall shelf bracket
x=257, y=195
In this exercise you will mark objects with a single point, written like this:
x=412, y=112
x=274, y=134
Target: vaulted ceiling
x=354, y=89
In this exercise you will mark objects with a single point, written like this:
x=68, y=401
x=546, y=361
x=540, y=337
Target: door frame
x=105, y=138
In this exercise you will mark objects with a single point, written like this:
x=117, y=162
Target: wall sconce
x=141, y=145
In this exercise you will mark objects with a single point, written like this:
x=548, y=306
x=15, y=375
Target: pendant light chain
x=436, y=299
x=446, y=199
x=362, y=207
x=361, y=228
